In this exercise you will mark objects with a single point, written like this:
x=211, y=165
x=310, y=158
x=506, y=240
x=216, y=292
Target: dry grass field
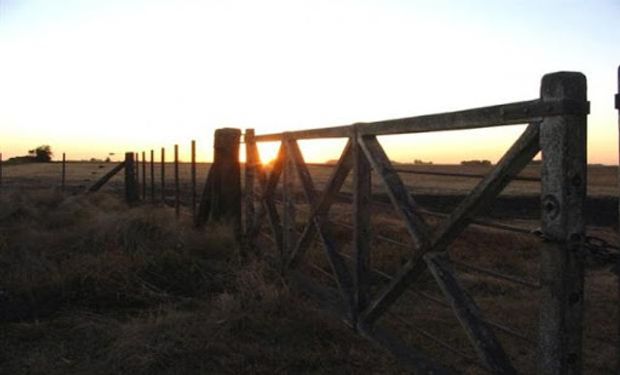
x=93, y=287
x=602, y=180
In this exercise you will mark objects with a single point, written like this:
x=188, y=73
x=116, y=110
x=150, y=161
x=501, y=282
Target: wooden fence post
x=163, y=175
x=143, y=176
x=64, y=172
x=137, y=163
x=0, y=170
x=131, y=187
x=177, y=187
x=563, y=145
x=193, y=178
x=221, y=198
x=152, y=176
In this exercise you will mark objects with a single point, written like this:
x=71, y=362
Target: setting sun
x=165, y=73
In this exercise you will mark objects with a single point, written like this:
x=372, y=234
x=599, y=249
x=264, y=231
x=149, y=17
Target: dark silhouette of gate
x=556, y=126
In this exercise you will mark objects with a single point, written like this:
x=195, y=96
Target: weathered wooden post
x=221, y=198
x=563, y=145
x=0, y=170
x=177, y=188
x=152, y=176
x=163, y=175
x=362, y=199
x=143, y=176
x=64, y=172
x=289, y=233
x=131, y=187
x=251, y=162
x=193, y=171
x=137, y=163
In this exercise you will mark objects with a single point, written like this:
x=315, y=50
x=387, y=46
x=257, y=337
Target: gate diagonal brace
x=319, y=207
x=515, y=159
x=317, y=221
x=467, y=312
x=399, y=195
x=268, y=186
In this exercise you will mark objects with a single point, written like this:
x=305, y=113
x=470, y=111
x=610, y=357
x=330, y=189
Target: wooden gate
x=556, y=125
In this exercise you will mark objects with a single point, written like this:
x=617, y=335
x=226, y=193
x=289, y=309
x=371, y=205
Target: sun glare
x=313, y=151
x=268, y=151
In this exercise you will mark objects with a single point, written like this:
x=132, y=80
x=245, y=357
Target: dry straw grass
x=90, y=287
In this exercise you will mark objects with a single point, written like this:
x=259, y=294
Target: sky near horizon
x=93, y=77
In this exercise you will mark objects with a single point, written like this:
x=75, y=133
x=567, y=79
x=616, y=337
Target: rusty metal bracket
x=546, y=108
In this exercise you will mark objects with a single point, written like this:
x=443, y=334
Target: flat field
x=602, y=180
x=96, y=286
x=519, y=200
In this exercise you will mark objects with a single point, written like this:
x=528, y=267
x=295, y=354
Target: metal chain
x=594, y=248
x=602, y=251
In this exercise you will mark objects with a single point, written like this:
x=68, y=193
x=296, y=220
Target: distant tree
x=476, y=162
x=107, y=160
x=422, y=162
x=42, y=154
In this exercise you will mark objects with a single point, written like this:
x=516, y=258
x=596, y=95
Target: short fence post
x=152, y=176
x=563, y=145
x=0, y=170
x=64, y=172
x=288, y=182
x=163, y=175
x=137, y=163
x=221, y=199
x=193, y=167
x=143, y=176
x=131, y=187
x=177, y=188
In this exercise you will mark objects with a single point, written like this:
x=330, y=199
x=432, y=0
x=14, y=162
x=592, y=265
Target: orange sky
x=90, y=78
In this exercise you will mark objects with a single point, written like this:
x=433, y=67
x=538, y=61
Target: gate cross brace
x=517, y=157
x=318, y=219
x=268, y=185
x=480, y=334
